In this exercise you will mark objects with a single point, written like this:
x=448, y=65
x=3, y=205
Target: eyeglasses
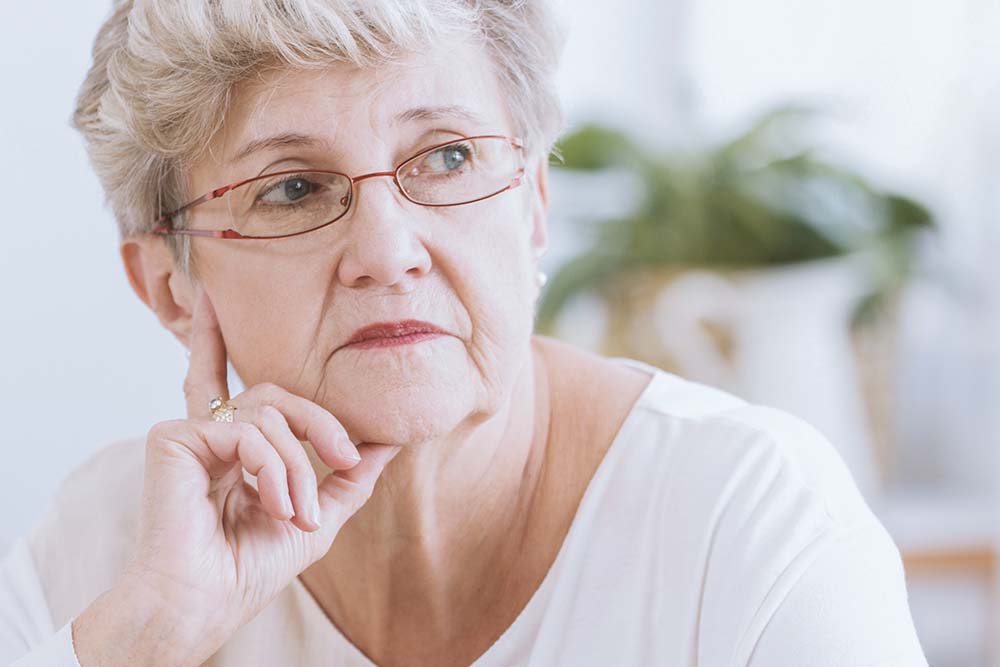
x=288, y=203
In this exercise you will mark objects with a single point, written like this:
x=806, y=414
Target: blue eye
x=289, y=191
x=296, y=188
x=454, y=157
x=445, y=160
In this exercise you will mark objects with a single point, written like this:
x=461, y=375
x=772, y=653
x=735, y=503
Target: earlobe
x=159, y=284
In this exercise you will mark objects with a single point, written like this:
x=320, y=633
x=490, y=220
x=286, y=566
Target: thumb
x=343, y=492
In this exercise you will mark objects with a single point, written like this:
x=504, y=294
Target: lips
x=393, y=329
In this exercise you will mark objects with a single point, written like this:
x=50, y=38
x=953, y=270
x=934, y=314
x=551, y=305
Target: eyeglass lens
x=293, y=202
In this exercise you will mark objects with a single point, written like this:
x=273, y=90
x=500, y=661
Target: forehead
x=454, y=88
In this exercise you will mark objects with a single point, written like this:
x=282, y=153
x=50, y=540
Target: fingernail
x=286, y=506
x=312, y=514
x=348, y=450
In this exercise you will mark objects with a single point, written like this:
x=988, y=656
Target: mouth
x=391, y=334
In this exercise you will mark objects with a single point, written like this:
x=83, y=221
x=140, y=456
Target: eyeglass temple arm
x=165, y=228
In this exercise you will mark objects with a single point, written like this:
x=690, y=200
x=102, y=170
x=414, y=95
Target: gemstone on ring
x=222, y=411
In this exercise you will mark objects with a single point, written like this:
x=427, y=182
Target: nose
x=382, y=245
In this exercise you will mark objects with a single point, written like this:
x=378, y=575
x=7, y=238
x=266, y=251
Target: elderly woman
x=347, y=202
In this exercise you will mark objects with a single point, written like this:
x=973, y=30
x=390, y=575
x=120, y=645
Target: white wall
x=83, y=363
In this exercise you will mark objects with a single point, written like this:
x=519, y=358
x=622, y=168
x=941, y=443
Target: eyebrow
x=292, y=139
x=437, y=113
x=277, y=141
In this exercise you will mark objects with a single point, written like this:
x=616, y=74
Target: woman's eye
x=289, y=191
x=449, y=158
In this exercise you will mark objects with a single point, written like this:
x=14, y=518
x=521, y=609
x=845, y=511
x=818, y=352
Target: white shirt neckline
x=509, y=642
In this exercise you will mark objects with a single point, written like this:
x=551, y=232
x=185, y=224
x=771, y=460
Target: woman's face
x=287, y=306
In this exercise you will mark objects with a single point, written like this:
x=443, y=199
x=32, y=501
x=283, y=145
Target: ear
x=540, y=208
x=159, y=283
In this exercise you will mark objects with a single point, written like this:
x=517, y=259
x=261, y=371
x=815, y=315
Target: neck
x=445, y=524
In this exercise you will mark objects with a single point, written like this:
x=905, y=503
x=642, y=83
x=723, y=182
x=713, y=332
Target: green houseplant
x=762, y=198
x=765, y=214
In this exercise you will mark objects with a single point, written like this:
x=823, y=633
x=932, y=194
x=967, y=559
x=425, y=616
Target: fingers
x=374, y=459
x=285, y=419
x=217, y=445
x=265, y=446
x=308, y=421
x=206, y=376
x=343, y=492
x=286, y=481
x=302, y=484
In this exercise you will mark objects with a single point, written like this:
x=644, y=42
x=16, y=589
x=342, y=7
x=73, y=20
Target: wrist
x=132, y=624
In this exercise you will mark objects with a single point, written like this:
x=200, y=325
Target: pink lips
x=383, y=334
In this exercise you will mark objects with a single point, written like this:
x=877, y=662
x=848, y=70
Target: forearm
x=130, y=625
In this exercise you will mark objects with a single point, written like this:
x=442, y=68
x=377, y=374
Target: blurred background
x=797, y=202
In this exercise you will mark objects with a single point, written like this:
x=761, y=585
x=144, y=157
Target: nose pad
x=394, y=190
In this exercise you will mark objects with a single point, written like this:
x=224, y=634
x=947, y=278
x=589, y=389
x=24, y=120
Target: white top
x=713, y=534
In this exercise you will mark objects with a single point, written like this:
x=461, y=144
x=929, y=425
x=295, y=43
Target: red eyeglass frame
x=163, y=223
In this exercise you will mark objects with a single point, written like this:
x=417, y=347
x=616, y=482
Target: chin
x=406, y=425
x=404, y=414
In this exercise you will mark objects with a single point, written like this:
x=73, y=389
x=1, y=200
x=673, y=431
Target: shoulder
x=748, y=447
x=764, y=509
x=796, y=564
x=711, y=444
x=82, y=542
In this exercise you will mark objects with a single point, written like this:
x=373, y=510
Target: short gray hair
x=163, y=72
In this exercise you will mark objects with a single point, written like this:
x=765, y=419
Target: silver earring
x=542, y=279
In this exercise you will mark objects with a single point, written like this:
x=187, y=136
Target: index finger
x=206, y=377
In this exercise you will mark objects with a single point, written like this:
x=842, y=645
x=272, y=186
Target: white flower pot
x=777, y=336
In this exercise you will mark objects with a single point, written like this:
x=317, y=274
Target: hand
x=208, y=544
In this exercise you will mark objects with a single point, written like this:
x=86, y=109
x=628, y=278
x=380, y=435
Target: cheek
x=497, y=292
x=495, y=248
x=271, y=319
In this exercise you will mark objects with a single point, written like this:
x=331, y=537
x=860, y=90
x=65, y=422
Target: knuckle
x=268, y=391
x=361, y=492
x=321, y=414
x=156, y=431
x=301, y=470
x=271, y=414
x=322, y=419
x=190, y=386
x=169, y=436
x=248, y=431
x=163, y=429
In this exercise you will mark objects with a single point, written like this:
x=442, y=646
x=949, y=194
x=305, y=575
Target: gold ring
x=222, y=411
